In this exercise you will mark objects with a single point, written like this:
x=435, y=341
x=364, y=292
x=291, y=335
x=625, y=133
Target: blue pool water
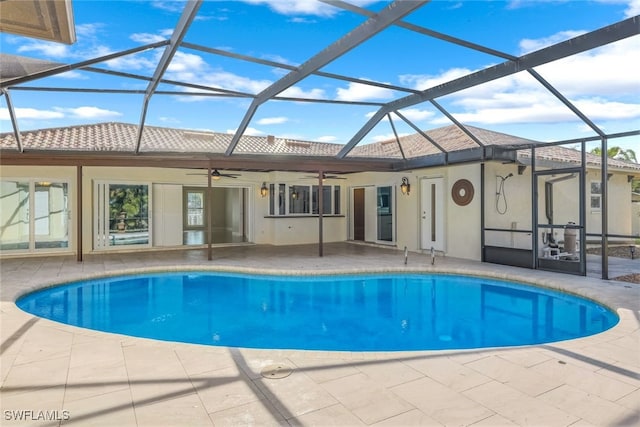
x=381, y=312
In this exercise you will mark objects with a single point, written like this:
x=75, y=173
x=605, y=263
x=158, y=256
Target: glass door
x=195, y=216
x=34, y=215
x=385, y=214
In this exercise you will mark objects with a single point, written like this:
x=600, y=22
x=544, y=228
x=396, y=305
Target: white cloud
x=169, y=6
x=416, y=114
x=249, y=131
x=48, y=49
x=426, y=81
x=386, y=137
x=227, y=80
x=305, y=7
x=633, y=8
x=297, y=92
x=327, y=138
x=362, y=92
x=88, y=30
x=610, y=70
x=146, y=38
x=72, y=75
x=299, y=20
x=134, y=62
x=168, y=120
x=31, y=113
x=297, y=7
x=531, y=45
x=602, y=83
x=88, y=112
x=272, y=121
x=186, y=63
x=543, y=112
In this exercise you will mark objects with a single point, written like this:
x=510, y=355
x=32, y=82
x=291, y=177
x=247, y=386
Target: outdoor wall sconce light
x=264, y=190
x=405, y=187
x=294, y=195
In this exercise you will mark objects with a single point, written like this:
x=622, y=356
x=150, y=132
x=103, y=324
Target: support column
x=604, y=171
x=79, y=254
x=320, y=219
x=534, y=210
x=208, y=214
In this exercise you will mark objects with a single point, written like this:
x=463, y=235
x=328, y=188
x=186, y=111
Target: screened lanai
x=157, y=82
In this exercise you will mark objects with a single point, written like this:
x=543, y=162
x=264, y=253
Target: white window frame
x=101, y=215
x=595, y=195
x=287, y=186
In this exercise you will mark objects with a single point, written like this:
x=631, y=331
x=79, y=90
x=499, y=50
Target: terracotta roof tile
x=121, y=137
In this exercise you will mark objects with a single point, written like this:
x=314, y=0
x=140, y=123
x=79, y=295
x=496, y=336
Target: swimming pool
x=373, y=312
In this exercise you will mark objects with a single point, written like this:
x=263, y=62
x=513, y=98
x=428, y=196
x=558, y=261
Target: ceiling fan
x=325, y=176
x=216, y=175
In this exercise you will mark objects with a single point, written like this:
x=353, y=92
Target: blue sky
x=603, y=83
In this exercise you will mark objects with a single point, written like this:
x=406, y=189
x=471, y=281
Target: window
x=122, y=214
x=596, y=196
x=195, y=208
x=385, y=214
x=299, y=199
x=303, y=200
x=34, y=215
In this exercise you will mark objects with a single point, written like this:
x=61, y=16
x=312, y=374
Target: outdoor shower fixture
x=500, y=194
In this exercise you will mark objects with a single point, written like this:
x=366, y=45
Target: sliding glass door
x=34, y=215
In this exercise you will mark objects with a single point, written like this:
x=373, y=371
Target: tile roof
x=451, y=138
x=121, y=137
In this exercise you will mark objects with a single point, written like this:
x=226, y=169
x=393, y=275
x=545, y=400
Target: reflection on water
x=377, y=312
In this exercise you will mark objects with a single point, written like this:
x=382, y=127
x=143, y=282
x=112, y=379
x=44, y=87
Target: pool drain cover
x=276, y=372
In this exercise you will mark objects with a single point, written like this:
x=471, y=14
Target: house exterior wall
x=620, y=206
x=509, y=208
x=462, y=225
x=517, y=190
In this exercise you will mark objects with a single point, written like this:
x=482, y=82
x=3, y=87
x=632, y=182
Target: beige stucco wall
x=462, y=224
x=619, y=213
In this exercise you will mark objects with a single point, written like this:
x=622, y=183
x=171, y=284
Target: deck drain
x=276, y=372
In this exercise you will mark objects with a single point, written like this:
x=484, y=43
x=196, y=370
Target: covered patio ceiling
x=18, y=73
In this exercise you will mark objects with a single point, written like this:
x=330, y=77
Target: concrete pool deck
x=83, y=377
